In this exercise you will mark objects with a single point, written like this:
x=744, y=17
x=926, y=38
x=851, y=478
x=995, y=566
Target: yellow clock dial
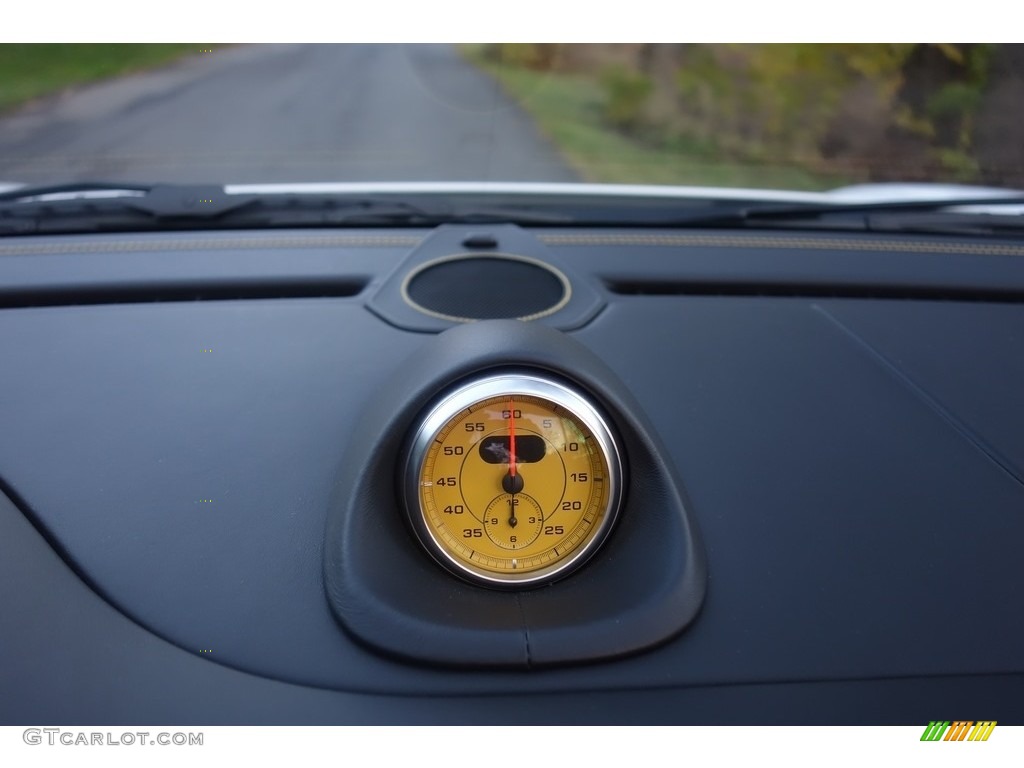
x=513, y=480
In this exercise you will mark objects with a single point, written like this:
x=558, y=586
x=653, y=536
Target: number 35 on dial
x=513, y=480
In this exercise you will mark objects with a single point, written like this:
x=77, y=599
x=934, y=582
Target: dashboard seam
x=526, y=631
x=24, y=249
x=84, y=583
x=725, y=241
x=921, y=394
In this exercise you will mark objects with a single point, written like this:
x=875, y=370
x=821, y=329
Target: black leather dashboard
x=843, y=412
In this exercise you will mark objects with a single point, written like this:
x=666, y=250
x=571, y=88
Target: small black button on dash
x=480, y=241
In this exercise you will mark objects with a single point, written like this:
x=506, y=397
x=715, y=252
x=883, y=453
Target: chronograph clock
x=513, y=480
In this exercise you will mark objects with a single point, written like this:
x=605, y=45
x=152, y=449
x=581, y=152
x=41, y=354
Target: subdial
x=513, y=521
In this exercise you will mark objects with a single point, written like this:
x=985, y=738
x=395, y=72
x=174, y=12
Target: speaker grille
x=487, y=288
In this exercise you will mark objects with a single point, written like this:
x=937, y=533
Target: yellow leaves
x=951, y=52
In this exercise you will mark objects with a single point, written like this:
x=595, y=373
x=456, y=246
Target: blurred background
x=792, y=116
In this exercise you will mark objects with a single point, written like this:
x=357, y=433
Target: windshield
x=763, y=116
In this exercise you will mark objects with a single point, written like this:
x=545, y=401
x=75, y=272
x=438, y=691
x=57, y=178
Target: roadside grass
x=31, y=70
x=567, y=108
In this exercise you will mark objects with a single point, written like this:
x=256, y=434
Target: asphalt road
x=284, y=113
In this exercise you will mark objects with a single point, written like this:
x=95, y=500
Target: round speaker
x=489, y=286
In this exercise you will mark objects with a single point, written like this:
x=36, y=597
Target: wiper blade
x=873, y=216
x=84, y=207
x=100, y=205
x=78, y=189
x=71, y=189
x=944, y=223
x=820, y=209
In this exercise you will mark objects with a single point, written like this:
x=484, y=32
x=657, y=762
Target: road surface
x=284, y=113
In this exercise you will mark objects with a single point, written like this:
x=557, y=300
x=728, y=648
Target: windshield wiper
x=91, y=207
x=922, y=216
x=79, y=188
x=97, y=207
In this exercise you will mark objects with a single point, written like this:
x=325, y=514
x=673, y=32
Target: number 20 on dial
x=513, y=480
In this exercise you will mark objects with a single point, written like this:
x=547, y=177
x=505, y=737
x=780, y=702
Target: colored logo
x=958, y=730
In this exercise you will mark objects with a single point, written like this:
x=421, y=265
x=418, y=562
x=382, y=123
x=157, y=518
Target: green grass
x=567, y=108
x=29, y=70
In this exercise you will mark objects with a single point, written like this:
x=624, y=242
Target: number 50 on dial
x=513, y=480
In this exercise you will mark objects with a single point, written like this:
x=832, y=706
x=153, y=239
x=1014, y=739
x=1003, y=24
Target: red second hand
x=511, y=439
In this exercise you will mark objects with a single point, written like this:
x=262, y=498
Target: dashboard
x=219, y=499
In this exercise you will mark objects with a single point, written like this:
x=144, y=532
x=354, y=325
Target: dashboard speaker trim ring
x=490, y=256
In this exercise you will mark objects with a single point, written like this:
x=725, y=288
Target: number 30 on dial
x=513, y=480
